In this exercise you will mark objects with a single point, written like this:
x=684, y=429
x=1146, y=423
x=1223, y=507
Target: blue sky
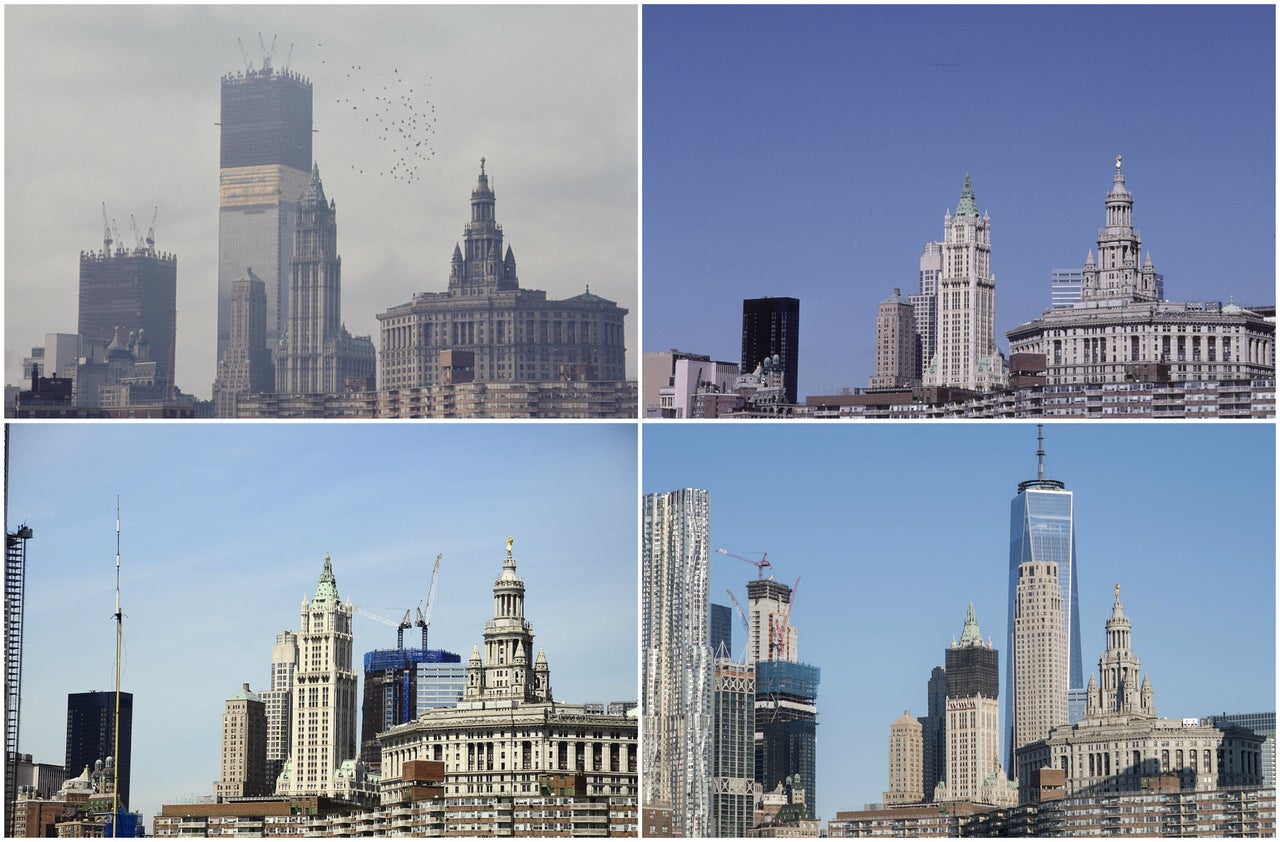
x=894, y=529
x=812, y=151
x=225, y=529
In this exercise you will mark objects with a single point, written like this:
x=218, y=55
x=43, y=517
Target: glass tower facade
x=1042, y=529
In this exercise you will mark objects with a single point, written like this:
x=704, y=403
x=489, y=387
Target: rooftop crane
x=151, y=230
x=782, y=624
x=244, y=54
x=759, y=565
x=399, y=627
x=424, y=618
x=106, y=231
x=746, y=626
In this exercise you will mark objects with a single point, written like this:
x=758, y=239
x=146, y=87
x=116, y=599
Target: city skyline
x=899, y=558
x=205, y=506
x=863, y=122
x=546, y=94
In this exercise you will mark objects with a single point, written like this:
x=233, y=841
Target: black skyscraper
x=772, y=326
x=91, y=734
x=266, y=119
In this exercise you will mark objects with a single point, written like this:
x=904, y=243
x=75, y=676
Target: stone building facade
x=317, y=355
x=513, y=334
x=966, y=355
x=973, y=718
x=508, y=737
x=906, y=761
x=323, y=728
x=1121, y=741
x=897, y=363
x=1122, y=331
x=279, y=703
x=244, y=747
x=245, y=365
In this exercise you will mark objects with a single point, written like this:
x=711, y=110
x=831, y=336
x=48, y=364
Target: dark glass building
x=91, y=735
x=391, y=693
x=135, y=291
x=787, y=728
x=721, y=629
x=266, y=120
x=771, y=326
x=1042, y=528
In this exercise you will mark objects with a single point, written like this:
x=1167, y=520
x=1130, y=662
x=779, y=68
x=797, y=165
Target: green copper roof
x=327, y=589
x=967, y=205
x=971, y=636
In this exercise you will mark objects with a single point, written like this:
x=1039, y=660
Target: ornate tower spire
x=970, y=635
x=505, y=672
x=1119, y=244
x=1120, y=691
x=476, y=269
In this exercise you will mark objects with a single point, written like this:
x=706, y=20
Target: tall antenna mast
x=115, y=740
x=1040, y=449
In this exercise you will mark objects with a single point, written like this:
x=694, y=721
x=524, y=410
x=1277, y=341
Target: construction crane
x=137, y=238
x=284, y=68
x=782, y=624
x=399, y=627
x=424, y=618
x=267, y=55
x=151, y=229
x=759, y=565
x=244, y=54
x=106, y=231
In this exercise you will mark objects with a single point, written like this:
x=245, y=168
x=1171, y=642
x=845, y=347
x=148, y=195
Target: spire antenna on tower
x=1040, y=451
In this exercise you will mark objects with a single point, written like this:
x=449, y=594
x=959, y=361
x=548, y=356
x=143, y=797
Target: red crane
x=759, y=565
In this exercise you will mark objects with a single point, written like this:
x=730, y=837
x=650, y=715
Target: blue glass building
x=1042, y=528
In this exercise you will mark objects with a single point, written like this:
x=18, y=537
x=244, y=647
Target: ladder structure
x=15, y=566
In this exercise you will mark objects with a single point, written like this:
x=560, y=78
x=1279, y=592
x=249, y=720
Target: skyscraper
x=244, y=747
x=733, y=762
x=897, y=363
x=317, y=355
x=786, y=694
x=906, y=761
x=721, y=630
x=934, y=734
x=279, y=703
x=392, y=693
x=131, y=291
x=1042, y=544
x=245, y=365
x=676, y=688
x=771, y=326
x=91, y=735
x=324, y=694
x=966, y=355
x=925, y=304
x=265, y=166
x=973, y=712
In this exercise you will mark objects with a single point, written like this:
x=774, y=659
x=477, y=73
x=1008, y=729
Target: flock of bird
x=402, y=122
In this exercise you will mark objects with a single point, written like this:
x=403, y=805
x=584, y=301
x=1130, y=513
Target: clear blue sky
x=812, y=151
x=225, y=529
x=895, y=528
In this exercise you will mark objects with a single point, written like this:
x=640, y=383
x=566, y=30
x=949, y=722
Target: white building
x=279, y=702
x=966, y=355
x=324, y=696
x=1121, y=329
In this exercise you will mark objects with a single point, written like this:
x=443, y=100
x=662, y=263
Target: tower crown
x=968, y=204
x=970, y=635
x=327, y=587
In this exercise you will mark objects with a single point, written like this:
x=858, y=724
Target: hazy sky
x=225, y=530
x=118, y=104
x=893, y=529
x=812, y=151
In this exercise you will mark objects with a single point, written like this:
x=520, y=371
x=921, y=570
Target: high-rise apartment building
x=973, y=713
x=244, y=747
x=676, y=679
x=324, y=694
x=317, y=356
x=897, y=361
x=906, y=761
x=733, y=761
x=91, y=730
x=278, y=702
x=265, y=164
x=131, y=292
x=966, y=355
x=1042, y=544
x=486, y=328
x=771, y=327
x=245, y=366
x=925, y=306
